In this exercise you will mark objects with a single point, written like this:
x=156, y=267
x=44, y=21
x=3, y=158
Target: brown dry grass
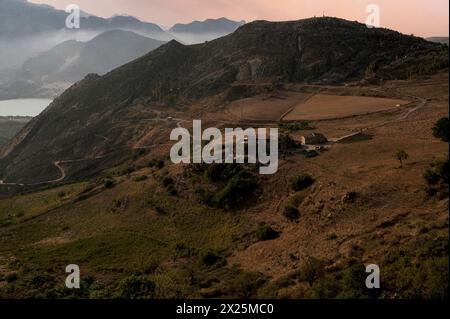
x=259, y=109
x=322, y=107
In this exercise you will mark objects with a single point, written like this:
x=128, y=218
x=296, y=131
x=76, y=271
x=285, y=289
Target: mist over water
x=14, y=52
x=23, y=107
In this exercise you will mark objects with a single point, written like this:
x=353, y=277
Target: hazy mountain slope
x=222, y=25
x=325, y=50
x=23, y=19
x=439, y=40
x=70, y=61
x=201, y=31
x=27, y=29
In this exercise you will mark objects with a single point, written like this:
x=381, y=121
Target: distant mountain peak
x=220, y=25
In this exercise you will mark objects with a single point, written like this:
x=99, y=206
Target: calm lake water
x=23, y=107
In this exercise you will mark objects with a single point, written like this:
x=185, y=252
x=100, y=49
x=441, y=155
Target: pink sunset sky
x=419, y=17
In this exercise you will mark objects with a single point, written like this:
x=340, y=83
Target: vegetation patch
x=302, y=182
x=264, y=233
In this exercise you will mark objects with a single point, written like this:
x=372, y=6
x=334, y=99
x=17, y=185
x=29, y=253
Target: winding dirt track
x=57, y=164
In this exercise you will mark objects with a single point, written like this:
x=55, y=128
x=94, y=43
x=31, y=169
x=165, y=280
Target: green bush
x=442, y=169
x=442, y=129
x=109, y=183
x=312, y=270
x=223, y=172
x=236, y=191
x=431, y=177
x=11, y=277
x=210, y=258
x=154, y=163
x=265, y=232
x=292, y=213
x=419, y=273
x=171, y=189
x=302, y=182
x=141, y=178
x=136, y=287
x=326, y=288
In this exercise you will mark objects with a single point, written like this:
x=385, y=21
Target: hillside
x=314, y=50
x=90, y=182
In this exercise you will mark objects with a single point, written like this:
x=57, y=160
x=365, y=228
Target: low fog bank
x=13, y=53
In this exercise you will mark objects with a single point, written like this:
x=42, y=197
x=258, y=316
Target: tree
x=442, y=129
x=401, y=155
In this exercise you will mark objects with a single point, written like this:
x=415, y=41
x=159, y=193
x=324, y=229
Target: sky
x=419, y=17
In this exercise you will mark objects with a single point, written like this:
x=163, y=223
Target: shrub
x=312, y=270
x=169, y=185
x=167, y=181
x=172, y=190
x=246, y=284
x=265, y=232
x=437, y=174
x=223, y=172
x=11, y=277
x=170, y=100
x=286, y=143
x=431, y=177
x=292, y=213
x=302, y=182
x=326, y=288
x=442, y=169
x=442, y=129
x=128, y=170
x=235, y=192
x=139, y=153
x=159, y=164
x=210, y=258
x=354, y=283
x=136, y=287
x=109, y=183
x=141, y=178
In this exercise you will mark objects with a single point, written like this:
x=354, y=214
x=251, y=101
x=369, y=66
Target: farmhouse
x=313, y=139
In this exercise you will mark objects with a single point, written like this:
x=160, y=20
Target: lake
x=23, y=107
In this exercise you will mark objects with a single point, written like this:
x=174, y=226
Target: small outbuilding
x=313, y=139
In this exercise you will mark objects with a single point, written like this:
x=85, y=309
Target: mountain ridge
x=221, y=25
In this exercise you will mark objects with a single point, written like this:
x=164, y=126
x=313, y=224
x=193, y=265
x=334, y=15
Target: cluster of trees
x=437, y=176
